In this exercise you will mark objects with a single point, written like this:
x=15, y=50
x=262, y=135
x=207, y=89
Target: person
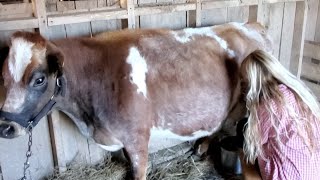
x=282, y=132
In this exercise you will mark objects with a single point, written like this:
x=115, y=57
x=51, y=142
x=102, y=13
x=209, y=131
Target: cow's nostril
x=6, y=130
x=9, y=130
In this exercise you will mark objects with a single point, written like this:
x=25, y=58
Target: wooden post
x=304, y=24
x=287, y=34
x=131, y=15
x=39, y=7
x=198, y=13
x=253, y=13
x=263, y=13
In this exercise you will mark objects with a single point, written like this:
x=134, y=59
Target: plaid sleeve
x=264, y=125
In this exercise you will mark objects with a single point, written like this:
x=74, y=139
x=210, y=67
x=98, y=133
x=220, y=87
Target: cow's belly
x=191, y=114
x=165, y=138
x=192, y=118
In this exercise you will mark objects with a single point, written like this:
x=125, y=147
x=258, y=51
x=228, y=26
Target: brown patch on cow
x=29, y=70
x=128, y=34
x=35, y=38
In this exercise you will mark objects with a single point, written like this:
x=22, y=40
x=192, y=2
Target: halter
x=21, y=118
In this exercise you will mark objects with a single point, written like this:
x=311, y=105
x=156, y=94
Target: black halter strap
x=21, y=118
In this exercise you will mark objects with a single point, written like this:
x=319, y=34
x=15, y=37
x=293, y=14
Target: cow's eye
x=39, y=82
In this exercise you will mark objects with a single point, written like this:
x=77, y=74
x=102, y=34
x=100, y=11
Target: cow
x=122, y=87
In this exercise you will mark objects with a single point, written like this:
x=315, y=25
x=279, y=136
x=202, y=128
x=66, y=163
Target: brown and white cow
x=122, y=87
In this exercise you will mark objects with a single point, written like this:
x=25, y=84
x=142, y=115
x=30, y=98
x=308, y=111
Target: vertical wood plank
x=101, y=26
x=79, y=29
x=192, y=15
x=275, y=26
x=198, y=13
x=56, y=32
x=131, y=14
x=60, y=159
x=102, y=3
x=71, y=147
x=253, y=13
x=263, y=13
x=317, y=34
x=191, y=18
x=287, y=34
x=175, y=20
x=311, y=29
x=312, y=20
x=298, y=37
x=303, y=34
x=40, y=12
x=65, y=5
x=214, y=17
x=238, y=14
x=51, y=5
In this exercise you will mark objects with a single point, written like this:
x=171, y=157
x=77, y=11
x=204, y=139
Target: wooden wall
x=57, y=142
x=310, y=71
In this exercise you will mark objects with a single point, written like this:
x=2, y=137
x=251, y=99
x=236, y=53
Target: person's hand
x=249, y=171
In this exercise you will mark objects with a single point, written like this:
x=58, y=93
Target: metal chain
x=28, y=153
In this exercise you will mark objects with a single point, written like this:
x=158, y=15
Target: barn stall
x=293, y=24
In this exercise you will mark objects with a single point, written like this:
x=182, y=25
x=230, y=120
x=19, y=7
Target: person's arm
x=249, y=171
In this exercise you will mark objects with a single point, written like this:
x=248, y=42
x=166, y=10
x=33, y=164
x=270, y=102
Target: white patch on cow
x=112, y=148
x=249, y=33
x=15, y=99
x=189, y=33
x=136, y=160
x=19, y=57
x=139, y=70
x=224, y=45
x=159, y=133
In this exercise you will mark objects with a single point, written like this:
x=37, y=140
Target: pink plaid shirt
x=290, y=159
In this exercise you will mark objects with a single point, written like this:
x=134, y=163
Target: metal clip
x=58, y=82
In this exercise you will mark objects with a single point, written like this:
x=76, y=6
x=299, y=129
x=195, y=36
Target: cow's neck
x=80, y=102
x=74, y=110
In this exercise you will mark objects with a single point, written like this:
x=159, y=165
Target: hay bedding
x=183, y=167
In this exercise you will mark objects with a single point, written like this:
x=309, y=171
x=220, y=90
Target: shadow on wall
x=3, y=54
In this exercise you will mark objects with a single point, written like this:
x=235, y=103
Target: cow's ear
x=55, y=59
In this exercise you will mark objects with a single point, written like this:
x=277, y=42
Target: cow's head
x=30, y=69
